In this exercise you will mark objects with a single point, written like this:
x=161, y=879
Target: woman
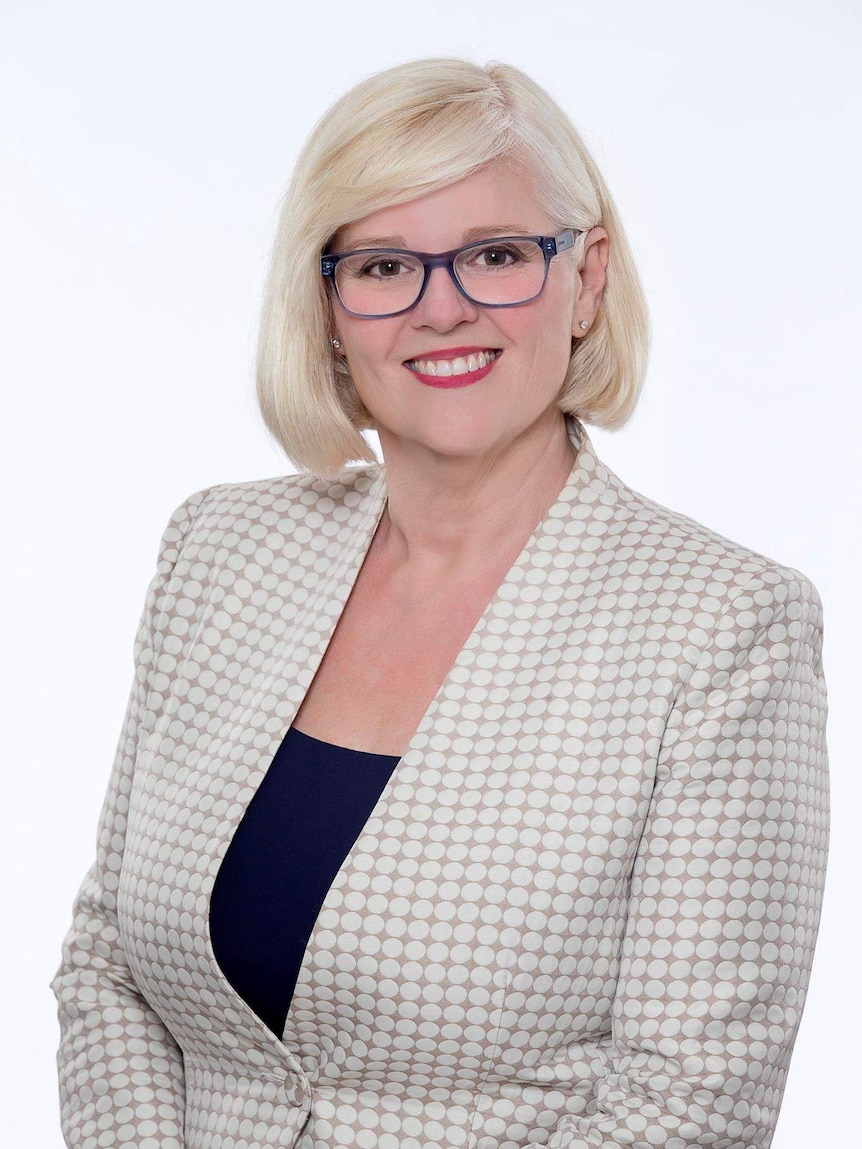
x=472, y=799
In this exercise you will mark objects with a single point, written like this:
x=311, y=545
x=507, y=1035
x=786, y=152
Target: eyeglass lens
x=379, y=282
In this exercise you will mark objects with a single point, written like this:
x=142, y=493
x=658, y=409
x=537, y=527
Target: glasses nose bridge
x=446, y=261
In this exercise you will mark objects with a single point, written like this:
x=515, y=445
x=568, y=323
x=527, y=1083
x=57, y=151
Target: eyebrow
x=481, y=232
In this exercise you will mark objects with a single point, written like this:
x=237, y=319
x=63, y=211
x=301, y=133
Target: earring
x=583, y=325
x=336, y=343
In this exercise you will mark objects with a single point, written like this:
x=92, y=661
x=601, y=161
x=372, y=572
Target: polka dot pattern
x=583, y=911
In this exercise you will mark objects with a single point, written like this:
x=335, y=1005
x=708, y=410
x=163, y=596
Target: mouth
x=452, y=368
x=459, y=372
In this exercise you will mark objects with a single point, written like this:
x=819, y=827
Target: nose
x=442, y=305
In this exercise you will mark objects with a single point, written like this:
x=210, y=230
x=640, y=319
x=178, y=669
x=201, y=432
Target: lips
x=440, y=365
x=459, y=379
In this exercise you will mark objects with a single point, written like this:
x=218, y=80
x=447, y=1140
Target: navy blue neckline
x=283, y=857
x=342, y=749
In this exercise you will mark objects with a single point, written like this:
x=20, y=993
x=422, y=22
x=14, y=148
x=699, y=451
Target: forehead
x=500, y=199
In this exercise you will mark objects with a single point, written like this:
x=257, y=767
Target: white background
x=143, y=150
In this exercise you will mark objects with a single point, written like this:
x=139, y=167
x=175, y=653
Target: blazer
x=584, y=909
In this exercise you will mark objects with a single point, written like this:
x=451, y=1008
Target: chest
x=386, y=660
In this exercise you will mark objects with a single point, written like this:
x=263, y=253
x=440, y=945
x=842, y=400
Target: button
x=294, y=1088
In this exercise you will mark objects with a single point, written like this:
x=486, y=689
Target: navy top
x=298, y=828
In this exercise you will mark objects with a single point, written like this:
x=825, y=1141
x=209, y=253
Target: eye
x=389, y=268
x=489, y=258
x=496, y=255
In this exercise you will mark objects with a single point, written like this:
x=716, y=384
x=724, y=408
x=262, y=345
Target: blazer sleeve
x=121, y=1079
x=726, y=890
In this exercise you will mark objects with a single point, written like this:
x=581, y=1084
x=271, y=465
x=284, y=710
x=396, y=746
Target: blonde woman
x=469, y=798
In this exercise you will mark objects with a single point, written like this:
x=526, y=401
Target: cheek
x=369, y=344
x=543, y=329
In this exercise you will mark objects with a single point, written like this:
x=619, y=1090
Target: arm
x=121, y=1076
x=726, y=891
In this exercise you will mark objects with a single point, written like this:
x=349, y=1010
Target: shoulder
x=280, y=495
x=225, y=512
x=709, y=609
x=668, y=536
x=692, y=571
x=281, y=492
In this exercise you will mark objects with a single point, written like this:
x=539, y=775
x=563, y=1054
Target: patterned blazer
x=584, y=909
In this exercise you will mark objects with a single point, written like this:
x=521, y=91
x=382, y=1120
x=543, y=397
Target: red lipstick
x=448, y=381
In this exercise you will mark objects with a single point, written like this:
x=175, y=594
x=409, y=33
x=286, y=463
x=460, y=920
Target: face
x=533, y=339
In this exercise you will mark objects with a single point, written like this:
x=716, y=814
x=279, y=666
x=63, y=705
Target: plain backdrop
x=143, y=152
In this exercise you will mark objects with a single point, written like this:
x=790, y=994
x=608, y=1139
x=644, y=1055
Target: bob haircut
x=397, y=135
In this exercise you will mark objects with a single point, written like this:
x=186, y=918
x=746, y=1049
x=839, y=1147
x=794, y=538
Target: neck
x=465, y=518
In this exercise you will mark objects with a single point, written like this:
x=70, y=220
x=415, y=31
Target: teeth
x=447, y=367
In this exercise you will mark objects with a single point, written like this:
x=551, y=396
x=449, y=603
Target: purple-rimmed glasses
x=503, y=271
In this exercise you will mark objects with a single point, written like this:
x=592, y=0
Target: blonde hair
x=397, y=135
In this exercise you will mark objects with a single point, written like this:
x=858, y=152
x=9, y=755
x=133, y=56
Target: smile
x=458, y=372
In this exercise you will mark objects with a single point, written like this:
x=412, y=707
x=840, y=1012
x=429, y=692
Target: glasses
x=506, y=271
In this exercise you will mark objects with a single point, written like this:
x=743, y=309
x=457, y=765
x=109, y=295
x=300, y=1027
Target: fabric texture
x=582, y=912
x=295, y=834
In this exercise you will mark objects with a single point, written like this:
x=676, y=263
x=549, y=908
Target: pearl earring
x=336, y=343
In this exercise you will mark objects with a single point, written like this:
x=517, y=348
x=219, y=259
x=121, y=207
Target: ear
x=591, y=281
